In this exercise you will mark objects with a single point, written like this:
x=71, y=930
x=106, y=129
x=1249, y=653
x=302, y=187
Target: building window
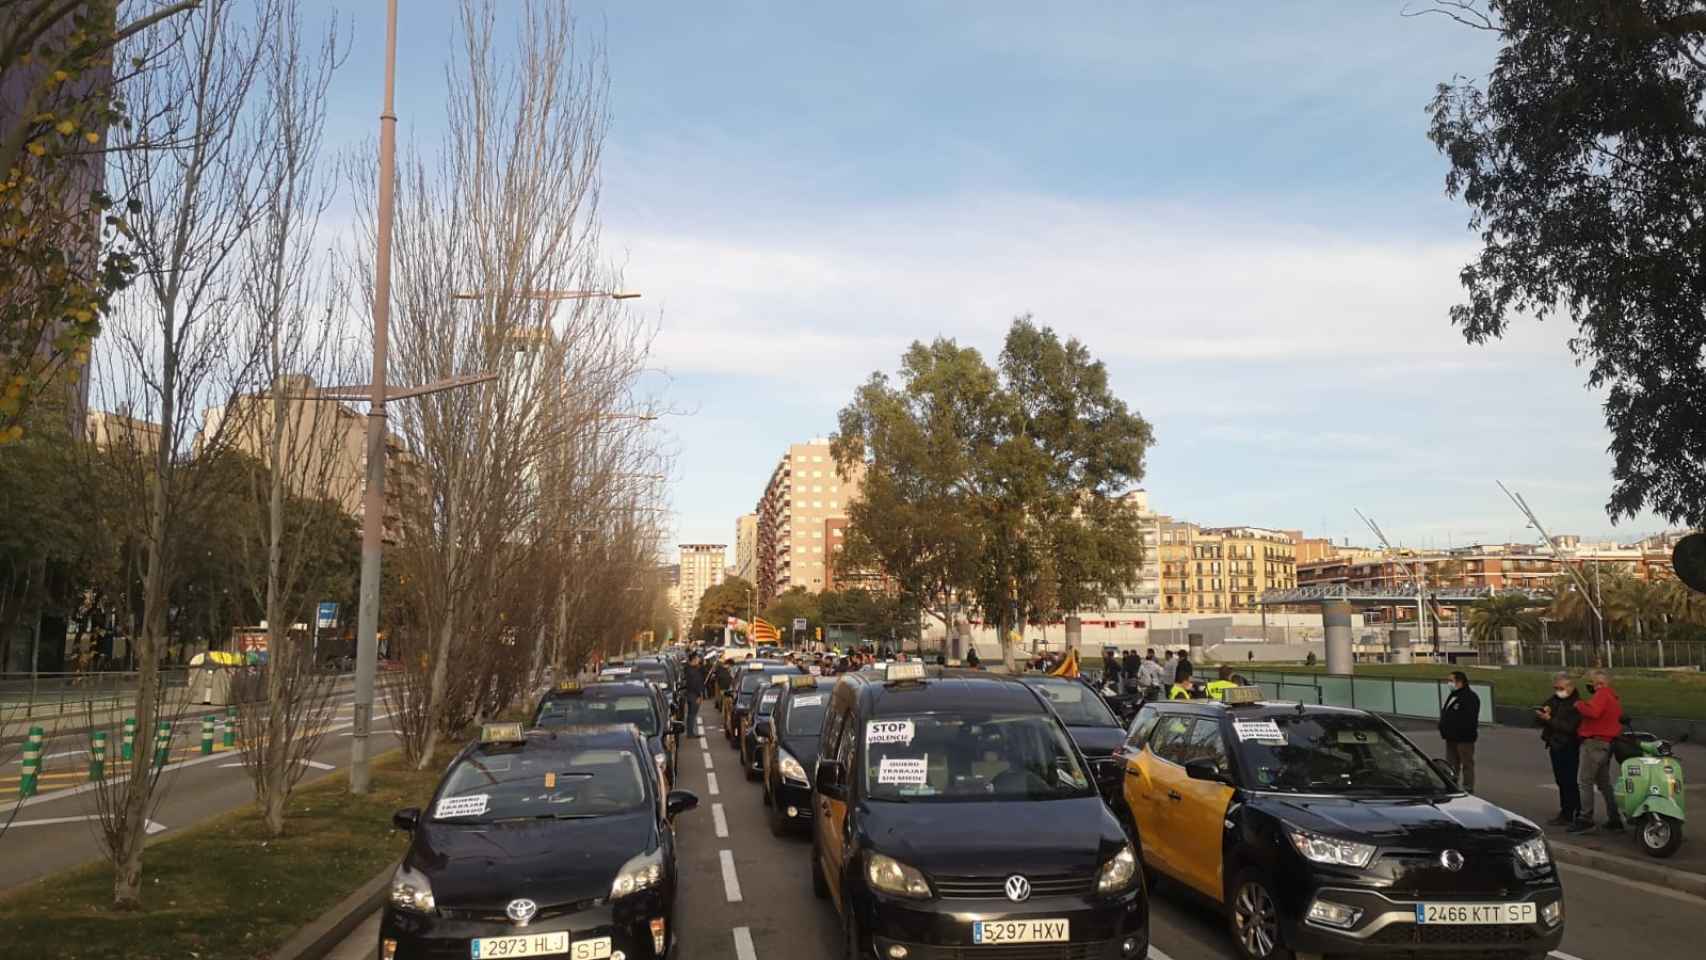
x=817, y=459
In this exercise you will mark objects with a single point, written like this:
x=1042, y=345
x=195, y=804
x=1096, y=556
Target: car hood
x=547, y=861
x=804, y=750
x=1428, y=823
x=1097, y=741
x=978, y=838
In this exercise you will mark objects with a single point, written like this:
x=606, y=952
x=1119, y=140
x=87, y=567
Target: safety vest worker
x=1181, y=689
x=1217, y=688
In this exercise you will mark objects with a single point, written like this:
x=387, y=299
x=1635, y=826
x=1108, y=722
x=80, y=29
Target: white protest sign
x=888, y=731
x=815, y=700
x=904, y=771
x=1261, y=731
x=469, y=806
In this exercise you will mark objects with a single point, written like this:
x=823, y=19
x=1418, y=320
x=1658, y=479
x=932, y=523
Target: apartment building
x=1222, y=569
x=746, y=547
x=701, y=568
x=796, y=543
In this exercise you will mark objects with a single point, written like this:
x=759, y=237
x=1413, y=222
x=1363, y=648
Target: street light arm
x=552, y=296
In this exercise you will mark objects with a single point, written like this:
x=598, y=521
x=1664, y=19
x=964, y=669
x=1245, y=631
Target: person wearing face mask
x=1559, y=719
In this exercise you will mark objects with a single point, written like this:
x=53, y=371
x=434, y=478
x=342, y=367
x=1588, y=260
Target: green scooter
x=1649, y=791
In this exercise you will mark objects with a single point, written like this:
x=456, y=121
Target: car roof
x=947, y=689
x=1260, y=710
x=567, y=740
x=610, y=687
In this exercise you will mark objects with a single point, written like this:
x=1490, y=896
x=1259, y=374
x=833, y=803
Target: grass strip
x=1645, y=693
x=224, y=890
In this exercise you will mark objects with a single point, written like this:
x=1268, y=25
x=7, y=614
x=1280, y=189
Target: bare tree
x=197, y=173
x=300, y=448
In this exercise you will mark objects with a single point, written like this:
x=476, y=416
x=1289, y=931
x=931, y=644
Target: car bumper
x=793, y=802
x=419, y=937
x=1387, y=926
x=1115, y=928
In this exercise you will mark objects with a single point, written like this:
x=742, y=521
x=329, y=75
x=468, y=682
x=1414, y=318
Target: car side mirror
x=680, y=801
x=761, y=728
x=677, y=727
x=1204, y=769
x=406, y=819
x=828, y=779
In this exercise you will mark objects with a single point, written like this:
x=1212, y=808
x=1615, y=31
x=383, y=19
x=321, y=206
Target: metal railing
x=1420, y=699
x=1647, y=655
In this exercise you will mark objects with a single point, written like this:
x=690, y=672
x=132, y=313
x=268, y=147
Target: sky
x=1234, y=206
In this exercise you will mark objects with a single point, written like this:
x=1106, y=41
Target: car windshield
x=805, y=714
x=752, y=680
x=1332, y=753
x=1077, y=704
x=962, y=757
x=539, y=785
x=635, y=708
x=653, y=671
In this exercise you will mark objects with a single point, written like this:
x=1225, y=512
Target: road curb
x=326, y=931
x=1631, y=868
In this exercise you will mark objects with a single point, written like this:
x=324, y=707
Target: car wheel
x=820, y=889
x=1253, y=915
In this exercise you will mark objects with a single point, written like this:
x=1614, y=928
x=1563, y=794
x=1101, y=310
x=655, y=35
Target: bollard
x=128, y=748
x=163, y=744
x=207, y=734
x=31, y=764
x=98, y=755
x=230, y=727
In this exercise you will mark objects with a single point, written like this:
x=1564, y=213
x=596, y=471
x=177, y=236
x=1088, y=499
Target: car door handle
x=1174, y=795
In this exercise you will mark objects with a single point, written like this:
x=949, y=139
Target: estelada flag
x=763, y=631
x=1068, y=666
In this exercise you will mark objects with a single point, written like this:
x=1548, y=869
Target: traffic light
x=819, y=633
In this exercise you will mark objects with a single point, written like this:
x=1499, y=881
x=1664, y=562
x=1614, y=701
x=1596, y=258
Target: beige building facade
x=746, y=547
x=796, y=545
x=701, y=569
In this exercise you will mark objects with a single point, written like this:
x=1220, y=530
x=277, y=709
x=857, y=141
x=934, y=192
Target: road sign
x=799, y=624
x=328, y=616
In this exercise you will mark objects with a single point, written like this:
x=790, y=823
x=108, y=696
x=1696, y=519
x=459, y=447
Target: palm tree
x=1490, y=615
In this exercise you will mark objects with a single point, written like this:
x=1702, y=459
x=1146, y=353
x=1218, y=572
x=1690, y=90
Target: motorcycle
x=1649, y=791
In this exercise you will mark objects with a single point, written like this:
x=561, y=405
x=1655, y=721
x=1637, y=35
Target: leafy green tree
x=794, y=603
x=1583, y=162
x=731, y=598
x=1002, y=486
x=1490, y=615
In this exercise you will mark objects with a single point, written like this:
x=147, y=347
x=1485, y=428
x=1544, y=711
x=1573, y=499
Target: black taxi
x=616, y=700
x=1323, y=830
x=541, y=842
x=750, y=682
x=790, y=753
x=954, y=817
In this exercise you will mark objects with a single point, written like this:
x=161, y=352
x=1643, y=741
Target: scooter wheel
x=1660, y=836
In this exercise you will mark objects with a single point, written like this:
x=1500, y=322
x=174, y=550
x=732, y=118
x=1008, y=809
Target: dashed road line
x=708, y=764
x=743, y=945
x=731, y=883
x=718, y=820
x=711, y=784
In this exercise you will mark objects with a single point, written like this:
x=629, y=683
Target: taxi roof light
x=904, y=671
x=802, y=681
x=570, y=686
x=1233, y=696
x=779, y=680
x=501, y=733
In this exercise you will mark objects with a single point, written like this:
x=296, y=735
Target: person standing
x=1223, y=681
x=1169, y=668
x=1602, y=721
x=1182, y=688
x=1459, y=725
x=1130, y=665
x=1149, y=672
x=1110, y=667
x=694, y=688
x=1559, y=721
x=972, y=659
x=1186, y=667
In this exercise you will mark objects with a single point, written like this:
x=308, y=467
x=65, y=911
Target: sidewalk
x=1512, y=769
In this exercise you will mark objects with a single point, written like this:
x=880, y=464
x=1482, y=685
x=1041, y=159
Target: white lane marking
x=1561, y=955
x=731, y=883
x=718, y=820
x=148, y=826
x=319, y=766
x=1158, y=954
x=50, y=756
x=708, y=764
x=711, y=784
x=743, y=945
x=703, y=745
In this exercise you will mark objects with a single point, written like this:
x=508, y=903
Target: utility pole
x=1592, y=599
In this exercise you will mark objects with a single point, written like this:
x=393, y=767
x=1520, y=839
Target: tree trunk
x=274, y=779
x=436, y=685
x=128, y=831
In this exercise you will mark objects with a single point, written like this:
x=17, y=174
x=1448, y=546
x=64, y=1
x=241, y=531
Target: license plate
x=1020, y=931
x=540, y=945
x=1474, y=913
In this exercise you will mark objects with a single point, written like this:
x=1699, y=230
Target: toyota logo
x=1018, y=889
x=521, y=911
x=1451, y=860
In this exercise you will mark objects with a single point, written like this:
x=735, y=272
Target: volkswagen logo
x=1451, y=860
x=521, y=911
x=1018, y=889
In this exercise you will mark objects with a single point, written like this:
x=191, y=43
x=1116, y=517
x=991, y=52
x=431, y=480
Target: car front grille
x=550, y=912
x=995, y=888
x=1432, y=935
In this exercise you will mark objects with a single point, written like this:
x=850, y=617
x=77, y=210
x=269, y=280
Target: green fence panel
x=1373, y=694
x=1416, y=698
x=1485, y=692
x=1304, y=693
x=1335, y=691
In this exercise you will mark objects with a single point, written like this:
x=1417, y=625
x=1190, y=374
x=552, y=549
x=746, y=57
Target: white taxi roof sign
x=1232, y=696
x=904, y=671
x=501, y=733
x=799, y=681
x=780, y=680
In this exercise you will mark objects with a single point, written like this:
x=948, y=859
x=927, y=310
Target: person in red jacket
x=1602, y=721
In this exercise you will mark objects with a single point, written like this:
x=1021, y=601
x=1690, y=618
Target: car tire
x=1252, y=914
x=820, y=889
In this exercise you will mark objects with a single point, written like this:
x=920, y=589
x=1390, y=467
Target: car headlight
x=1118, y=873
x=641, y=873
x=1324, y=849
x=792, y=770
x=411, y=891
x=1534, y=852
x=891, y=876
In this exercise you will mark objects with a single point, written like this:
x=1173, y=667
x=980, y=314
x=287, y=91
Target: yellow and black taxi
x=539, y=843
x=790, y=753
x=1323, y=830
x=751, y=680
x=954, y=817
x=616, y=700
x=755, y=726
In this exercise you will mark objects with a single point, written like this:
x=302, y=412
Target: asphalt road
x=746, y=895
x=55, y=829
